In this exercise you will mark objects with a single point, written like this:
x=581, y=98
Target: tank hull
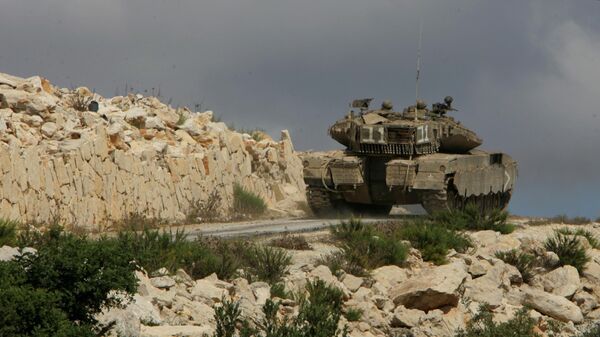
x=437, y=181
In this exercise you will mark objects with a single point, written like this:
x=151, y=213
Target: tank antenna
x=418, y=69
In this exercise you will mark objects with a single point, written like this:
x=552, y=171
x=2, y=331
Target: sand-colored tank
x=417, y=156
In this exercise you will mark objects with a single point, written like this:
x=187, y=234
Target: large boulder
x=432, y=289
x=551, y=305
x=563, y=281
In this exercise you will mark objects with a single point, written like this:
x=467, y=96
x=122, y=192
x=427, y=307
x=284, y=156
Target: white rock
x=563, y=281
x=8, y=253
x=551, y=305
x=49, y=129
x=163, y=282
x=206, y=290
x=182, y=331
x=154, y=123
x=406, y=318
x=433, y=288
x=352, y=282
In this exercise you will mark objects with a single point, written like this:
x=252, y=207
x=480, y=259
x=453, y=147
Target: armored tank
x=420, y=155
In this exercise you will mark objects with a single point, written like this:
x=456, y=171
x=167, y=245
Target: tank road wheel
x=448, y=200
x=319, y=200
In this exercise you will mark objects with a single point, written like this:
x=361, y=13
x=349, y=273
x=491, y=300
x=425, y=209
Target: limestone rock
x=434, y=288
x=180, y=331
x=563, y=281
x=554, y=306
x=163, y=282
x=8, y=253
x=407, y=318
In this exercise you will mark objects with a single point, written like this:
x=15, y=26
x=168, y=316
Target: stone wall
x=132, y=154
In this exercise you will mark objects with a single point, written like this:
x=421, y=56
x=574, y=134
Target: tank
x=419, y=155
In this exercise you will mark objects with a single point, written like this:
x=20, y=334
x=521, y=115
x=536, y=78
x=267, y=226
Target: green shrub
x=524, y=262
x=593, y=331
x=8, y=232
x=267, y=264
x=246, y=203
x=569, y=249
x=336, y=262
x=471, y=218
x=590, y=237
x=318, y=316
x=58, y=290
x=434, y=240
x=483, y=325
x=278, y=290
x=153, y=249
x=83, y=272
x=204, y=211
x=353, y=314
x=364, y=248
x=292, y=242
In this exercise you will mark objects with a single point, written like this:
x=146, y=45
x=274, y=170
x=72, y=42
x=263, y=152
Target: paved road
x=260, y=227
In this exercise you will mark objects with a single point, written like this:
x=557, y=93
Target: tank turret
x=417, y=155
x=415, y=131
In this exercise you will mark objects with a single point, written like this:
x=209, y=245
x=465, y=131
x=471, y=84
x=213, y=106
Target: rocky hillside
x=88, y=161
x=418, y=299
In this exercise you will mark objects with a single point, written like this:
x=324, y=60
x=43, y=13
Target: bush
x=590, y=237
x=593, y=331
x=336, y=262
x=483, y=325
x=246, y=203
x=524, y=262
x=364, y=248
x=267, y=263
x=204, y=211
x=153, y=249
x=433, y=240
x=58, y=290
x=318, y=316
x=8, y=232
x=569, y=249
x=292, y=242
x=353, y=314
x=472, y=218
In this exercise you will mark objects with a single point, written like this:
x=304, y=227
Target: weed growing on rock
x=364, y=248
x=593, y=331
x=471, y=218
x=79, y=102
x=434, y=240
x=524, y=262
x=8, y=232
x=292, y=242
x=204, y=211
x=483, y=325
x=246, y=203
x=590, y=237
x=318, y=316
x=267, y=264
x=353, y=314
x=569, y=249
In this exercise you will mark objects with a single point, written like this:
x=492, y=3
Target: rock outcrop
x=88, y=161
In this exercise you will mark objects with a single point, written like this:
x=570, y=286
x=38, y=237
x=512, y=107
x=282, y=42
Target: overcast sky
x=524, y=74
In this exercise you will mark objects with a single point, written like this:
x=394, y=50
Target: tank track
x=319, y=200
x=323, y=203
x=447, y=199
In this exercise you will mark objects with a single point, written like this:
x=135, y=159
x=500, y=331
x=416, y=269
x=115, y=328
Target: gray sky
x=524, y=74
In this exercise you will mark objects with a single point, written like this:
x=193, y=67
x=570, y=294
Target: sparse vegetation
x=246, y=203
x=318, y=316
x=79, y=102
x=483, y=325
x=471, y=218
x=204, y=211
x=336, y=262
x=434, y=240
x=524, y=262
x=353, y=314
x=289, y=241
x=561, y=219
x=364, y=248
x=593, y=331
x=266, y=263
x=589, y=236
x=569, y=249
x=183, y=117
x=136, y=221
x=8, y=232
